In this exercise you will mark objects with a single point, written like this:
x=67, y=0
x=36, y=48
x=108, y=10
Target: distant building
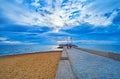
x=66, y=43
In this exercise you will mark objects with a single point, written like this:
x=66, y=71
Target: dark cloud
x=13, y=28
x=84, y=28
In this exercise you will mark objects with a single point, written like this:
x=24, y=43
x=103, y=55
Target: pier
x=64, y=68
x=80, y=64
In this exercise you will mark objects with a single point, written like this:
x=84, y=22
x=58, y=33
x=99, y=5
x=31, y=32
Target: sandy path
x=29, y=66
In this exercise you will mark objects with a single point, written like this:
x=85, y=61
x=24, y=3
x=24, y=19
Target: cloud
x=35, y=3
x=87, y=41
x=6, y=41
x=3, y=38
x=19, y=1
x=12, y=42
x=61, y=14
x=94, y=41
x=18, y=42
x=96, y=12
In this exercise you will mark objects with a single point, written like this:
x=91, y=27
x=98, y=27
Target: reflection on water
x=19, y=49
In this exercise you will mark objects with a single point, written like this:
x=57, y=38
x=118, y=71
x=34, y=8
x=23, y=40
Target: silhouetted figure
x=67, y=46
x=70, y=46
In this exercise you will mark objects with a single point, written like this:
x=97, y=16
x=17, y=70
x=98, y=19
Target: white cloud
x=94, y=41
x=19, y=1
x=12, y=42
x=7, y=41
x=17, y=42
x=35, y=3
x=59, y=15
x=3, y=38
x=97, y=9
x=87, y=41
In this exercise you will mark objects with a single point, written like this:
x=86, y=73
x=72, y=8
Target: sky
x=50, y=22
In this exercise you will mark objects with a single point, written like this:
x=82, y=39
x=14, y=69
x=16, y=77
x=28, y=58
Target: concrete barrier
x=111, y=55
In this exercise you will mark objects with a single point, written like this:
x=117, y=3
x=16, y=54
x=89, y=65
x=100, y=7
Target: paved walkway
x=64, y=70
x=90, y=66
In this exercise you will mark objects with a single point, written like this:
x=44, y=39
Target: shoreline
x=40, y=65
x=30, y=53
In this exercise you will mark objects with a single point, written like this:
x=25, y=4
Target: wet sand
x=29, y=66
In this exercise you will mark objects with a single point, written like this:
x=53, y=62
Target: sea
x=21, y=49
x=102, y=47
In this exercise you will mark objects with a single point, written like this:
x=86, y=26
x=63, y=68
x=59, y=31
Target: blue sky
x=50, y=21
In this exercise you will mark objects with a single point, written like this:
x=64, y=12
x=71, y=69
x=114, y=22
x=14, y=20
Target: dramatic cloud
x=61, y=14
x=46, y=21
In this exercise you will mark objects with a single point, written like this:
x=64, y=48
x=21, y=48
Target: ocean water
x=105, y=48
x=20, y=49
